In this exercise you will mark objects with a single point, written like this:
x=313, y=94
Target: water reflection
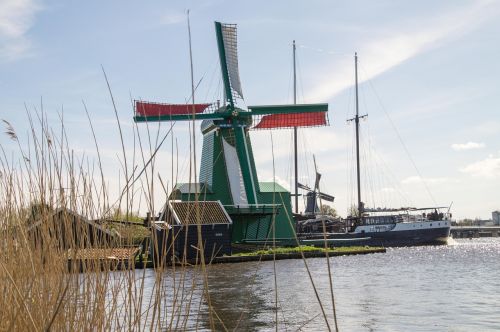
x=446, y=288
x=238, y=297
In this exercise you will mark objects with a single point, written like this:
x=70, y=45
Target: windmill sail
x=289, y=116
x=230, y=39
x=292, y=120
x=302, y=186
x=158, y=109
x=318, y=178
x=326, y=197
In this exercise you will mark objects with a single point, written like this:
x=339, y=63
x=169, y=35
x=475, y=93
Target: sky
x=428, y=73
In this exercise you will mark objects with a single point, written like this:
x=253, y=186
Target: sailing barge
x=377, y=227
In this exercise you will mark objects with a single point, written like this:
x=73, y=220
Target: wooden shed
x=67, y=229
x=175, y=235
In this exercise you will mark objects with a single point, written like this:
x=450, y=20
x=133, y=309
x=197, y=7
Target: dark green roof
x=191, y=188
x=269, y=187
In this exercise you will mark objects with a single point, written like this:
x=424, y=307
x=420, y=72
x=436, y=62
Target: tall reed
x=59, y=267
x=58, y=264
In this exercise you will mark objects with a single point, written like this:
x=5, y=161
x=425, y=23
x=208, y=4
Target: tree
x=466, y=222
x=118, y=214
x=353, y=211
x=328, y=210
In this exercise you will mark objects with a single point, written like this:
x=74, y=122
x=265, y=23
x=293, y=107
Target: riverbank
x=296, y=254
x=282, y=253
x=469, y=232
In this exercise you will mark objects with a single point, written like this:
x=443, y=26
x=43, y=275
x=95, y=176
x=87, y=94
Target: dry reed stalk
x=46, y=198
x=43, y=284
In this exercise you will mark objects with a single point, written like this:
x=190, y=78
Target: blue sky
x=428, y=69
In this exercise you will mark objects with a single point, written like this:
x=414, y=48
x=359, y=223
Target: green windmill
x=227, y=172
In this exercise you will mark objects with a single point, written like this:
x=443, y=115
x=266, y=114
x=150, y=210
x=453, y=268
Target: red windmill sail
x=284, y=120
x=157, y=109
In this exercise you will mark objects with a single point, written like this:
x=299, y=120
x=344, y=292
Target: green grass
x=290, y=250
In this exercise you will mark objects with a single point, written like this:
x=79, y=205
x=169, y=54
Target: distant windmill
x=312, y=196
x=227, y=172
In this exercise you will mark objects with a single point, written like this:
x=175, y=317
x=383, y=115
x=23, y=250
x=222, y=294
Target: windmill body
x=227, y=172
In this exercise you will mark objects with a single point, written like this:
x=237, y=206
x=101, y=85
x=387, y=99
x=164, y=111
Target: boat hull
x=405, y=238
x=395, y=235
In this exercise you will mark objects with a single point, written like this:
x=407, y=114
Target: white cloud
x=15, y=49
x=467, y=146
x=487, y=168
x=16, y=18
x=444, y=101
x=390, y=51
x=173, y=18
x=419, y=180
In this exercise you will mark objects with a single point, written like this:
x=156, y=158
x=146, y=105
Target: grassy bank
x=309, y=249
x=282, y=253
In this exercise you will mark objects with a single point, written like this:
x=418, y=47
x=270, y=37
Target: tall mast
x=295, y=135
x=356, y=121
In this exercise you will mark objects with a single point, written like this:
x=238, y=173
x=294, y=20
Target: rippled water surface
x=445, y=288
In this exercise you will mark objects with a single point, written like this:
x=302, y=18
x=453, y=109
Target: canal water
x=445, y=288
